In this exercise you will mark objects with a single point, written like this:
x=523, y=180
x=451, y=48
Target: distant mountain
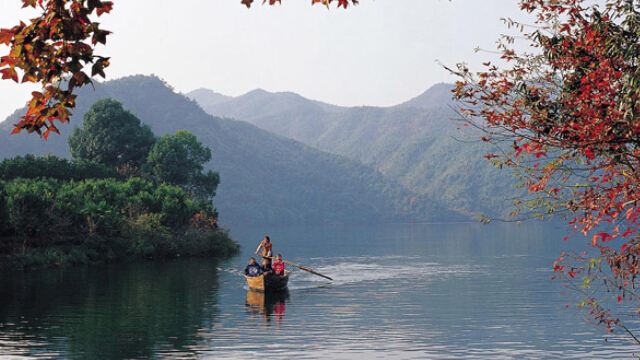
x=438, y=95
x=209, y=97
x=265, y=178
x=416, y=143
x=283, y=113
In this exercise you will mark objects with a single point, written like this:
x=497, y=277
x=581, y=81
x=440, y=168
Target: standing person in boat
x=253, y=269
x=266, y=247
x=265, y=267
x=278, y=265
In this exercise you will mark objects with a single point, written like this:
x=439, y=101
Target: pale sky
x=381, y=52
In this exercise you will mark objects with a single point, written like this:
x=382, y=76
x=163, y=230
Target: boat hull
x=269, y=283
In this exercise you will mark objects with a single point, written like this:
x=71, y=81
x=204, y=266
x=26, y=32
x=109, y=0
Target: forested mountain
x=417, y=143
x=265, y=178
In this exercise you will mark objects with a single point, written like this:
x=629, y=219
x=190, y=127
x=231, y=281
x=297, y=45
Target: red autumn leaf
x=605, y=236
x=30, y=3
x=9, y=73
x=518, y=151
x=589, y=154
x=59, y=46
x=6, y=36
x=29, y=77
x=106, y=7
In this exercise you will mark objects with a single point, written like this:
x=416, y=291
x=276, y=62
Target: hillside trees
x=567, y=115
x=56, y=50
x=112, y=136
x=179, y=159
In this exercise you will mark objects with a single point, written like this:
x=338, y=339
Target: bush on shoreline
x=48, y=222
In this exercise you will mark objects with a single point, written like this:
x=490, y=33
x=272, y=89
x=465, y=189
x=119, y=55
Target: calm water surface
x=401, y=291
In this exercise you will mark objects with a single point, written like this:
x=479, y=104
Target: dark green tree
x=179, y=159
x=112, y=136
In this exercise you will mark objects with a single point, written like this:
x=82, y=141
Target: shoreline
x=98, y=250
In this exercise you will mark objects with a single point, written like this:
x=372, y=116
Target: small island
x=125, y=195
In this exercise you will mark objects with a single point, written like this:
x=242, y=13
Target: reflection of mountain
x=265, y=178
x=415, y=143
x=120, y=312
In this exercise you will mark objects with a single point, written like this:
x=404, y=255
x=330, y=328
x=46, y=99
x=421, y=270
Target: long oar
x=301, y=268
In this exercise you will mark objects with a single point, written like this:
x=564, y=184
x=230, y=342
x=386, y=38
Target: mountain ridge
x=415, y=143
x=266, y=178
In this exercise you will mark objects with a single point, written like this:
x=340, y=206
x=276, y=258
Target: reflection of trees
x=268, y=304
x=121, y=311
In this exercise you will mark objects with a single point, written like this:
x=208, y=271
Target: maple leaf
x=106, y=7
x=6, y=35
x=9, y=73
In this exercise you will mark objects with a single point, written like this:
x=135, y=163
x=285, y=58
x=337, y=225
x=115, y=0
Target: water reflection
x=269, y=305
x=121, y=311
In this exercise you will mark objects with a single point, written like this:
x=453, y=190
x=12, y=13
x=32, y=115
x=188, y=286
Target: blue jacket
x=253, y=270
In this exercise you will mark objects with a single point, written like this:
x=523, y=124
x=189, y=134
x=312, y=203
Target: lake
x=438, y=291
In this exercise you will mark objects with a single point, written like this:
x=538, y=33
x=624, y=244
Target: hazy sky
x=381, y=52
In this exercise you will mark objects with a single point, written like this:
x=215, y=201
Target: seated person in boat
x=265, y=267
x=278, y=265
x=266, y=247
x=253, y=269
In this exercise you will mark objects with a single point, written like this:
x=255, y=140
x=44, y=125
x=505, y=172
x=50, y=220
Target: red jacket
x=278, y=267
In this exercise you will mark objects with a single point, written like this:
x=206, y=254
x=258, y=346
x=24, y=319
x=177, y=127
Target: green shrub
x=53, y=167
x=150, y=238
x=102, y=205
x=30, y=207
x=194, y=242
x=176, y=206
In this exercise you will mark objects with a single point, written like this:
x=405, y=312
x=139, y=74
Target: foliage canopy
x=112, y=136
x=568, y=113
x=179, y=159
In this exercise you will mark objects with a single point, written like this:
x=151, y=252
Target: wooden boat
x=268, y=283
